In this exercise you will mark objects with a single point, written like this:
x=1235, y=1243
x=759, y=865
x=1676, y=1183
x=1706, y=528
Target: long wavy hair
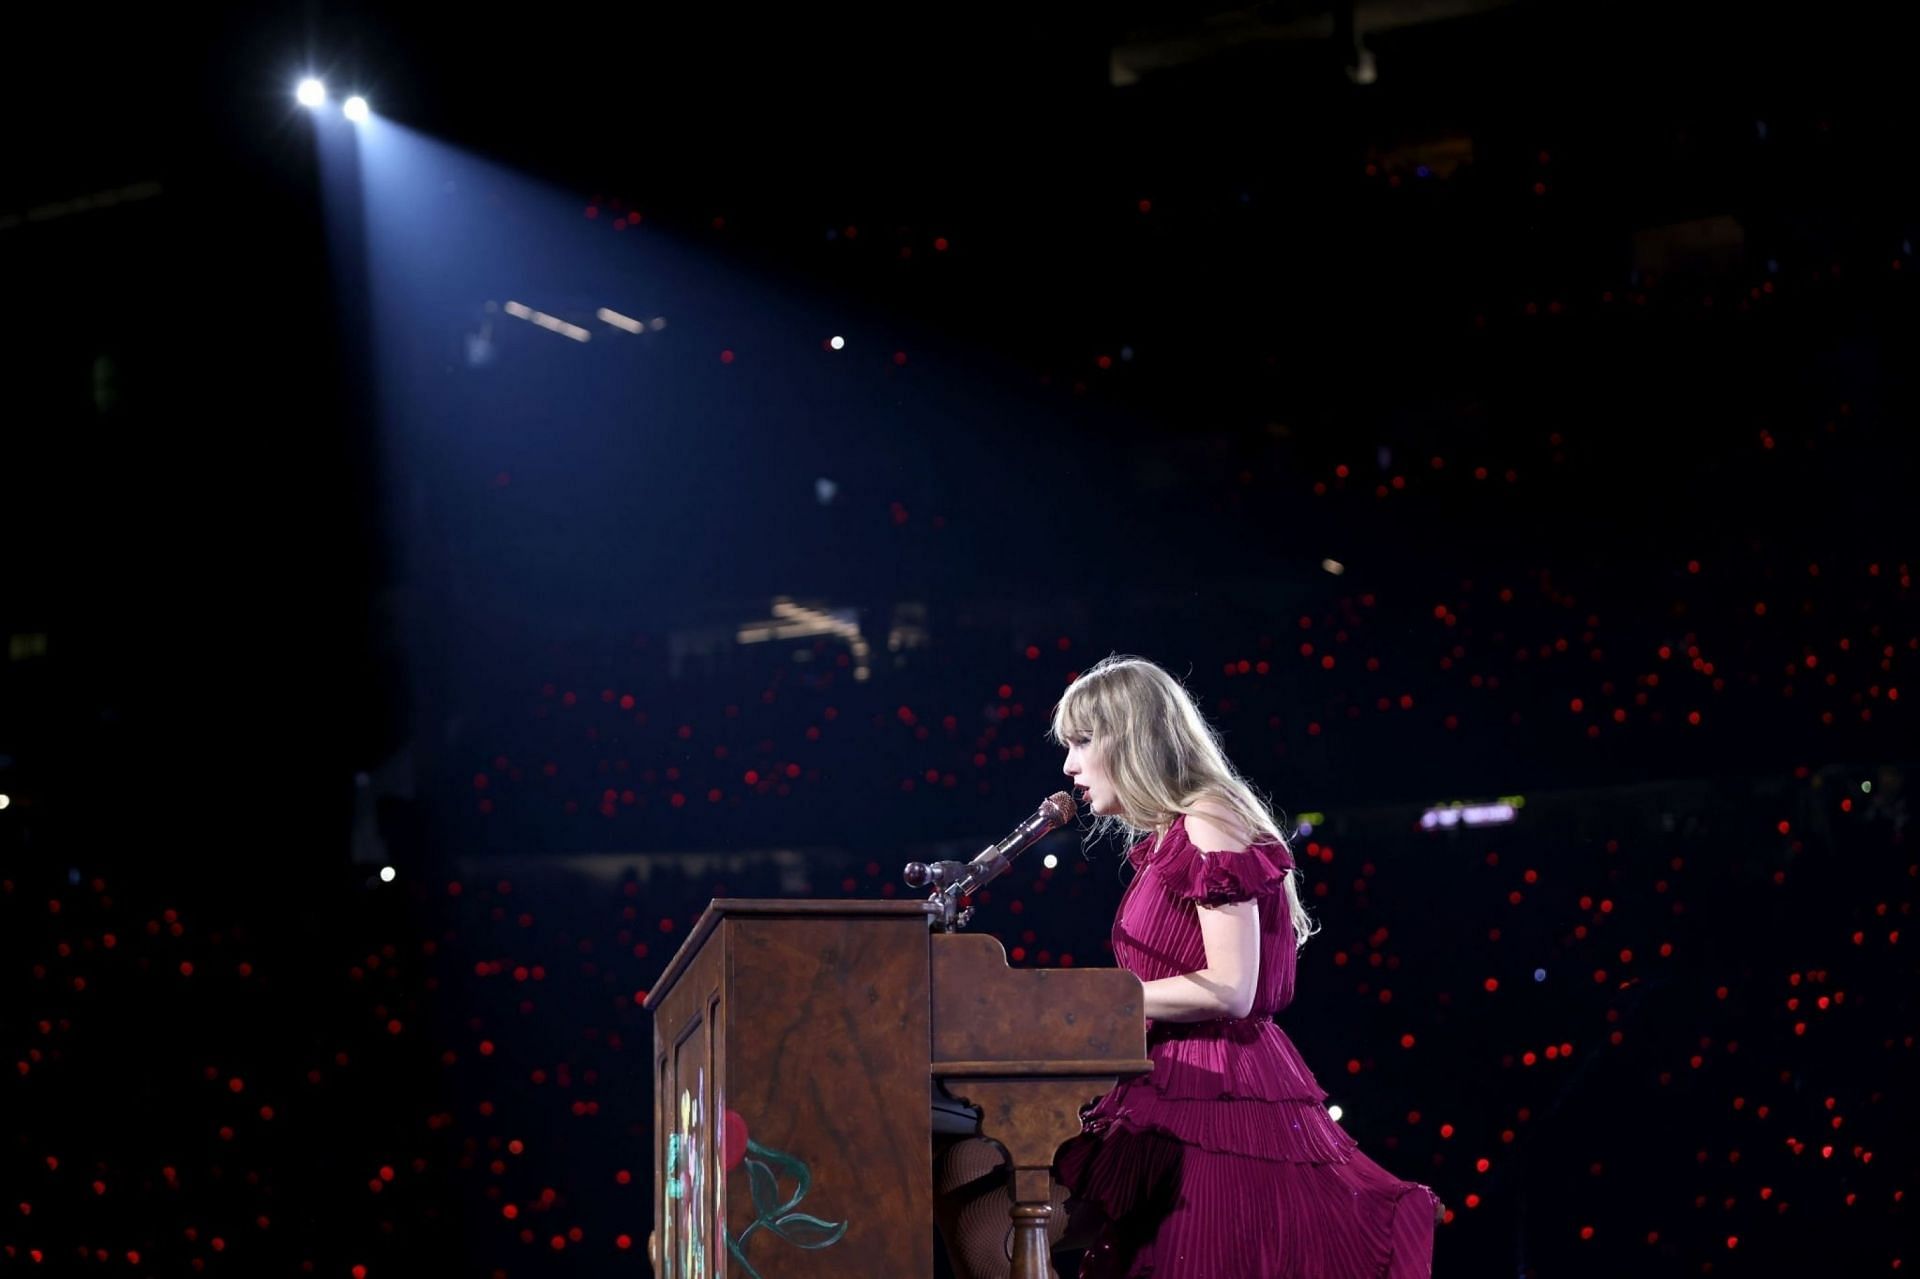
x=1163, y=758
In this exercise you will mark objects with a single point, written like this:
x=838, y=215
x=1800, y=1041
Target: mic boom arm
x=954, y=880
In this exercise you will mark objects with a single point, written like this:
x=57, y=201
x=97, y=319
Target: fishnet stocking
x=970, y=1205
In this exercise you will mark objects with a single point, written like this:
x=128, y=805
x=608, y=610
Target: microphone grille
x=1060, y=808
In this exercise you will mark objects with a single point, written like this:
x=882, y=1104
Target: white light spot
x=480, y=347
x=552, y=323
x=659, y=322
x=5, y=800
x=311, y=93
x=356, y=109
x=1334, y=1113
x=1334, y=567
x=1539, y=974
x=1866, y=788
x=386, y=874
x=825, y=490
x=606, y=315
x=837, y=342
x=1050, y=861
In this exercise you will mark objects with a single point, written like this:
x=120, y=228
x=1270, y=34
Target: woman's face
x=1086, y=765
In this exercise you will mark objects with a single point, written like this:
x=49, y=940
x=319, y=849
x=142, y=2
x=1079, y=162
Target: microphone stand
x=953, y=881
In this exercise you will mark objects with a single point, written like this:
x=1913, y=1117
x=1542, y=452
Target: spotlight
x=387, y=874
x=1050, y=861
x=311, y=93
x=1334, y=1113
x=355, y=109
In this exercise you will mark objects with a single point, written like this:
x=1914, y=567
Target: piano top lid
x=799, y=907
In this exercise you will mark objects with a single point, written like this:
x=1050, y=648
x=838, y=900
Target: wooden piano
x=796, y=1048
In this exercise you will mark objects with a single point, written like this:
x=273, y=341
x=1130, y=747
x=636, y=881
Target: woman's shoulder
x=1212, y=826
x=1211, y=858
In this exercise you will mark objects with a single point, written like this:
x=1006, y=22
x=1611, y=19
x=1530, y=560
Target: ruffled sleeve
x=1220, y=878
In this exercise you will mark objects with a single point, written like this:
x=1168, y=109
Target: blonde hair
x=1164, y=759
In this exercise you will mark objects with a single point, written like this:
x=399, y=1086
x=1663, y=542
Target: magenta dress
x=1223, y=1163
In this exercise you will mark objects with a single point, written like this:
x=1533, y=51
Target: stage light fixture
x=311, y=93
x=356, y=110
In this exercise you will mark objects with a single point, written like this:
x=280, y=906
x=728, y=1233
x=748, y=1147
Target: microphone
x=957, y=880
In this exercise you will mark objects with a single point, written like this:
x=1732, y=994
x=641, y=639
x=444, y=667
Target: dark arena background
x=658, y=453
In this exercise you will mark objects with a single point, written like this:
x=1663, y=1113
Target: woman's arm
x=1224, y=988
x=1231, y=934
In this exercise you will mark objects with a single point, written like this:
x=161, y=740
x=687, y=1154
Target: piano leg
x=1030, y=1117
x=972, y=1196
x=1032, y=1214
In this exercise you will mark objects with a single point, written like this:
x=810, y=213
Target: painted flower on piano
x=776, y=1211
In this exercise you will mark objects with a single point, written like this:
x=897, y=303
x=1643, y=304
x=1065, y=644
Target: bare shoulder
x=1213, y=827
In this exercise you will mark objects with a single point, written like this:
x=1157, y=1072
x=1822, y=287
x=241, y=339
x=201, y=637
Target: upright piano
x=797, y=1046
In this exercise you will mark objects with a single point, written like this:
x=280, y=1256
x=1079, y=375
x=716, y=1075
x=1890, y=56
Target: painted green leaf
x=795, y=1168
x=809, y=1231
x=766, y=1190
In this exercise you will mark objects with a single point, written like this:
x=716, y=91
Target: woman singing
x=1223, y=1162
